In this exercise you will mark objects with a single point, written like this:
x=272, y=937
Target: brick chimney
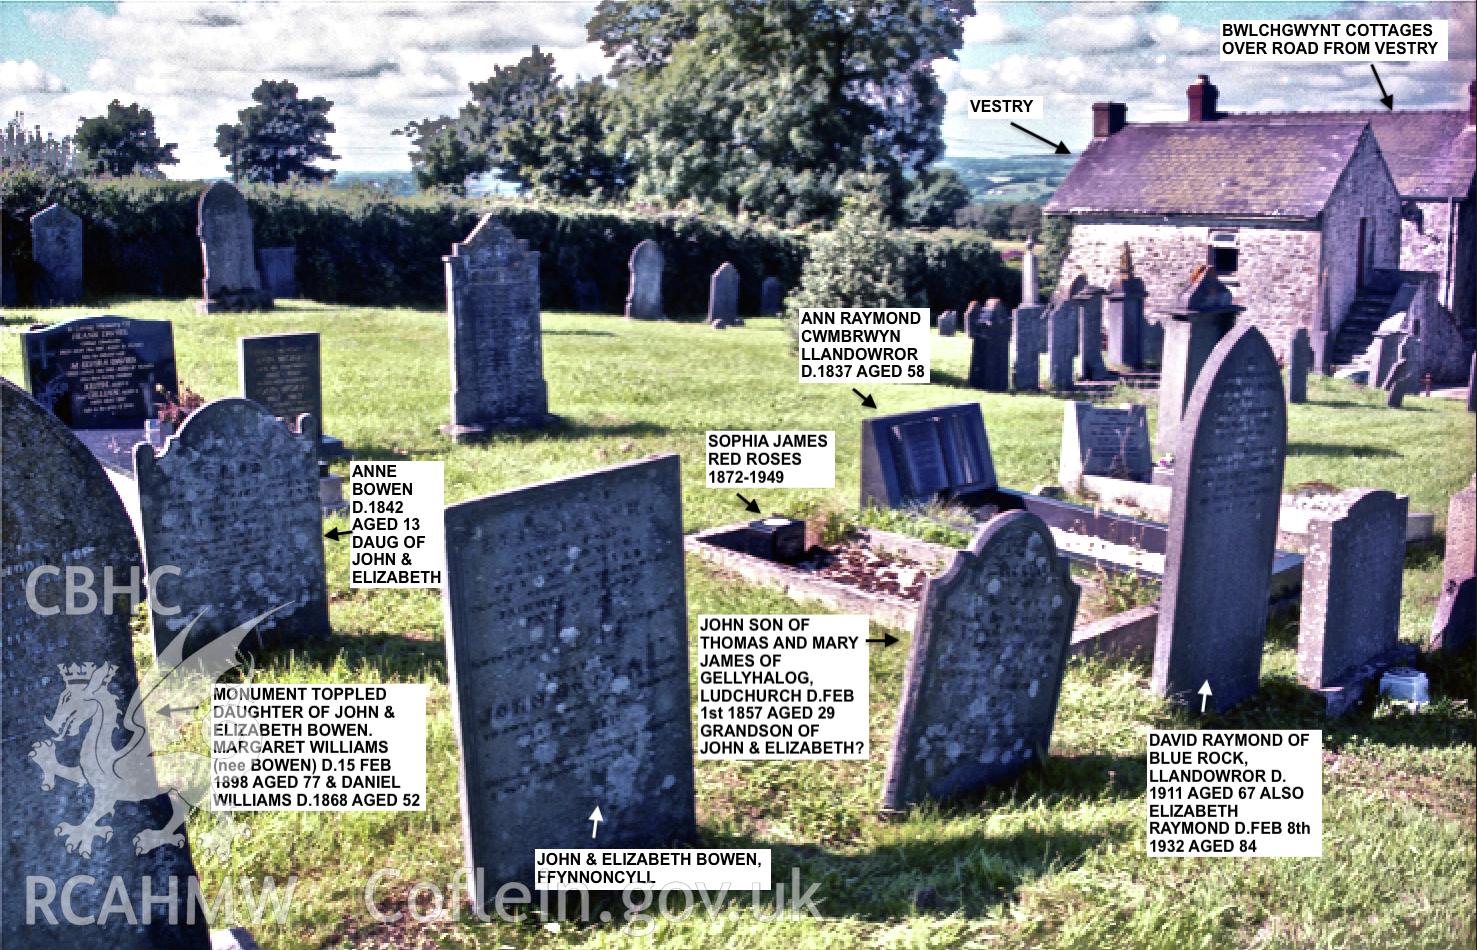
x=1202, y=97
x=1107, y=118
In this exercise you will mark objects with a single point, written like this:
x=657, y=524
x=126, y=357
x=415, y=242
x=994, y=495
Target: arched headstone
x=644, y=301
x=231, y=280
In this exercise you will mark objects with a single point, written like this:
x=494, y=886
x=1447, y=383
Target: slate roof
x=1273, y=169
x=1431, y=154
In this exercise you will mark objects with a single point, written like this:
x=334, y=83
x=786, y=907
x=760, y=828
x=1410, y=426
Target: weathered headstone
x=232, y=502
x=1352, y=577
x=723, y=295
x=970, y=317
x=1299, y=364
x=1029, y=341
x=948, y=323
x=1455, y=625
x=1100, y=440
x=497, y=356
x=1384, y=350
x=101, y=372
x=1030, y=279
x=1090, y=333
x=586, y=295
x=1202, y=315
x=985, y=668
x=771, y=296
x=1223, y=526
x=231, y=280
x=283, y=373
x=989, y=357
x=278, y=268
x=567, y=637
x=1061, y=344
x=644, y=301
x=917, y=457
x=56, y=247
x=1396, y=384
x=61, y=514
x=1125, y=316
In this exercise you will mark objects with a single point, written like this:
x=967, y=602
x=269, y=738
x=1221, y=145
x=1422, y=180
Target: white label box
x=863, y=346
x=1333, y=41
x=318, y=747
x=1235, y=793
x=771, y=458
x=782, y=686
x=1005, y=108
x=654, y=869
x=397, y=534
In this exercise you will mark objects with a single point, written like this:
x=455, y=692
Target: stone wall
x=1364, y=191
x=1437, y=236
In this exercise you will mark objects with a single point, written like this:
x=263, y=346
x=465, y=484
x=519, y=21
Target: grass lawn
x=1057, y=859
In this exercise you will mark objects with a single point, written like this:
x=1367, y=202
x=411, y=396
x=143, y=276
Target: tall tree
x=123, y=142
x=280, y=137
x=770, y=108
x=563, y=149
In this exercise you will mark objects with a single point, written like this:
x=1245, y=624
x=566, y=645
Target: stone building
x=1331, y=221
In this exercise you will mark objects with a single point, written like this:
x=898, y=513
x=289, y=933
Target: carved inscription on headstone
x=1103, y=440
x=101, y=372
x=1223, y=525
x=980, y=693
x=232, y=502
x=567, y=634
x=282, y=373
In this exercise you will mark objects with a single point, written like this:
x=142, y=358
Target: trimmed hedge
x=363, y=248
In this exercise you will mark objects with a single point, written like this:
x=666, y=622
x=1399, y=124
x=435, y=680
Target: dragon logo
x=146, y=766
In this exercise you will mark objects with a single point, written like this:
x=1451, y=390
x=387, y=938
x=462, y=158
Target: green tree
x=856, y=264
x=1056, y=240
x=280, y=137
x=769, y=108
x=123, y=142
x=563, y=149
x=933, y=197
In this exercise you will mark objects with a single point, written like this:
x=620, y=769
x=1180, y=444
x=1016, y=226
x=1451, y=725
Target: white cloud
x=989, y=26
x=26, y=76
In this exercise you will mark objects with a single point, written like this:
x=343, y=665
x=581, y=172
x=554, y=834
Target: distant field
x=1011, y=179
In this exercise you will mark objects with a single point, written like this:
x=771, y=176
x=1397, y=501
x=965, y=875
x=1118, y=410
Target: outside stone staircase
x=1355, y=334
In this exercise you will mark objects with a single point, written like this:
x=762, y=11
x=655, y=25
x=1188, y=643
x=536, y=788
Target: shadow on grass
x=410, y=659
x=942, y=377
x=1332, y=450
x=578, y=333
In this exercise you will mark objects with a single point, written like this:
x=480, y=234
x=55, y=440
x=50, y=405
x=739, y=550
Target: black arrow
x=333, y=534
x=1061, y=147
x=886, y=639
x=1385, y=97
x=751, y=505
x=867, y=401
x=171, y=710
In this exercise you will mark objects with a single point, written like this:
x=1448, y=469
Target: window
x=1224, y=253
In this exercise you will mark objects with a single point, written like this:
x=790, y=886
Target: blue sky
x=386, y=63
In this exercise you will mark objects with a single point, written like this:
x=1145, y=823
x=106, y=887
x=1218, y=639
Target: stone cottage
x=1331, y=221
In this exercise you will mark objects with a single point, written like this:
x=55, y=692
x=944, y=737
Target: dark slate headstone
x=1101, y=440
x=278, y=268
x=1061, y=344
x=60, y=511
x=918, y=457
x=1223, y=526
x=723, y=294
x=283, y=372
x=1090, y=333
x=232, y=502
x=586, y=295
x=1029, y=342
x=231, y=280
x=1455, y=625
x=1124, y=317
x=1299, y=364
x=771, y=296
x=56, y=247
x=1396, y=384
x=1352, y=578
x=644, y=300
x=101, y=372
x=970, y=318
x=1201, y=316
x=985, y=668
x=948, y=323
x=989, y=357
x=566, y=633
x=497, y=361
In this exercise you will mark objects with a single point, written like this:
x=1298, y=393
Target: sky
x=384, y=64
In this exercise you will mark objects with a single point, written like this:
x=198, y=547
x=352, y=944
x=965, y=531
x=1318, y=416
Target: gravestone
x=101, y=372
x=1090, y=332
x=1030, y=277
x=1061, y=344
x=1105, y=441
x=989, y=355
x=567, y=638
x=985, y=668
x=771, y=296
x=969, y=319
x=1472, y=384
x=278, y=268
x=1384, y=350
x=586, y=295
x=1455, y=624
x=948, y=323
x=1028, y=343
x=723, y=293
x=1227, y=490
x=1153, y=340
x=1201, y=316
x=1125, y=316
x=231, y=280
x=283, y=373
x=232, y=502
x=56, y=247
x=1299, y=364
x=644, y=301
x=1396, y=384
x=917, y=457
x=61, y=512
x=497, y=361
x=1352, y=577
